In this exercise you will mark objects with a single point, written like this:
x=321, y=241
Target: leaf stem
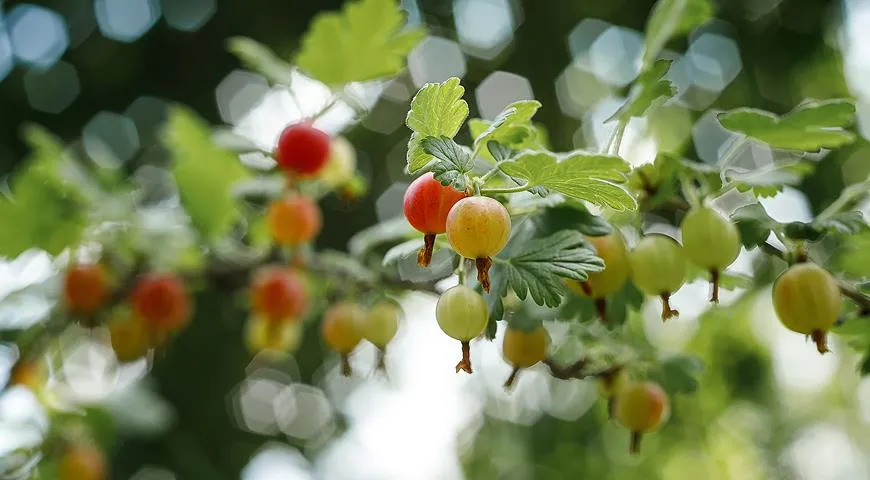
x=615, y=141
x=494, y=191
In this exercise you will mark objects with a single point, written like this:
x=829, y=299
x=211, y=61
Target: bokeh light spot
x=615, y=55
x=188, y=15
x=434, y=60
x=126, y=20
x=110, y=138
x=485, y=27
x=238, y=93
x=52, y=90
x=7, y=60
x=500, y=89
x=38, y=35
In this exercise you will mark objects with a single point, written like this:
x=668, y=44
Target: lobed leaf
x=454, y=161
x=672, y=18
x=261, y=59
x=649, y=89
x=437, y=110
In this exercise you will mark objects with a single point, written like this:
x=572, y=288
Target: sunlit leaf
x=437, y=110
x=670, y=19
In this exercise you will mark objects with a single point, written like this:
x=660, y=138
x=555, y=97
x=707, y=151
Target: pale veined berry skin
x=302, y=149
x=522, y=349
x=641, y=407
x=293, y=220
x=82, y=462
x=710, y=241
x=479, y=228
x=342, y=330
x=265, y=336
x=426, y=205
x=462, y=314
x=382, y=323
x=610, y=248
x=807, y=300
x=341, y=164
x=658, y=267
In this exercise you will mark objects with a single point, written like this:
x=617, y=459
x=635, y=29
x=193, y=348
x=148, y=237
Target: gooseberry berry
x=426, y=205
x=277, y=294
x=611, y=248
x=129, y=338
x=302, y=149
x=342, y=330
x=659, y=268
x=264, y=335
x=27, y=373
x=807, y=300
x=161, y=300
x=340, y=165
x=462, y=315
x=641, y=407
x=381, y=325
x=293, y=220
x=86, y=287
x=479, y=228
x=82, y=462
x=610, y=382
x=523, y=349
x=710, y=241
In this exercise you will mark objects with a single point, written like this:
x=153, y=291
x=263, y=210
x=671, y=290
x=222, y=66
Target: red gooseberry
x=302, y=149
x=278, y=294
x=426, y=206
x=85, y=289
x=293, y=220
x=161, y=300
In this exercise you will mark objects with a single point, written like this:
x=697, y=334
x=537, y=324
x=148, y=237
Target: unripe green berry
x=710, y=241
x=807, y=300
x=658, y=267
x=462, y=314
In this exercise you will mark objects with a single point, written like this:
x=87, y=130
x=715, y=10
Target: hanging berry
x=523, y=349
x=161, y=300
x=710, y=241
x=611, y=248
x=807, y=300
x=658, y=267
x=302, y=149
x=462, y=315
x=641, y=407
x=426, y=206
x=342, y=330
x=293, y=220
x=129, y=338
x=479, y=228
x=263, y=335
x=85, y=288
x=277, y=294
x=382, y=323
x=82, y=462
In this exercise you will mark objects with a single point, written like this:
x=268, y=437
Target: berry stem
x=346, y=369
x=465, y=363
x=381, y=361
x=601, y=307
x=634, y=446
x=714, y=281
x=667, y=311
x=509, y=383
x=820, y=337
x=483, y=265
x=424, y=256
x=611, y=405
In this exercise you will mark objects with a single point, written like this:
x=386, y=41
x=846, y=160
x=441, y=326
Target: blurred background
x=101, y=73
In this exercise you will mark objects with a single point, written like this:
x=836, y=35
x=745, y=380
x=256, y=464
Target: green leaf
x=387, y=231
x=672, y=18
x=572, y=215
x=259, y=58
x=854, y=257
x=754, y=224
x=227, y=139
x=768, y=181
x=584, y=176
x=512, y=126
x=363, y=42
x=680, y=374
x=437, y=110
x=345, y=266
x=537, y=269
x=843, y=223
x=46, y=209
x=402, y=251
x=809, y=127
x=205, y=174
x=454, y=161
x=650, y=89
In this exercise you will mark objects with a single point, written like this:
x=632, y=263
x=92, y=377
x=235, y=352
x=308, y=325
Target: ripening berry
x=610, y=382
x=462, y=314
x=611, y=248
x=342, y=330
x=426, y=206
x=658, y=267
x=381, y=325
x=522, y=349
x=161, y=300
x=641, y=407
x=293, y=220
x=129, y=338
x=27, y=373
x=302, y=149
x=263, y=335
x=807, y=300
x=710, y=241
x=479, y=228
x=341, y=164
x=86, y=288
x=82, y=462
x=277, y=294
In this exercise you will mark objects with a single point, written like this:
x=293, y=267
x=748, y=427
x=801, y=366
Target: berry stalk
x=465, y=363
